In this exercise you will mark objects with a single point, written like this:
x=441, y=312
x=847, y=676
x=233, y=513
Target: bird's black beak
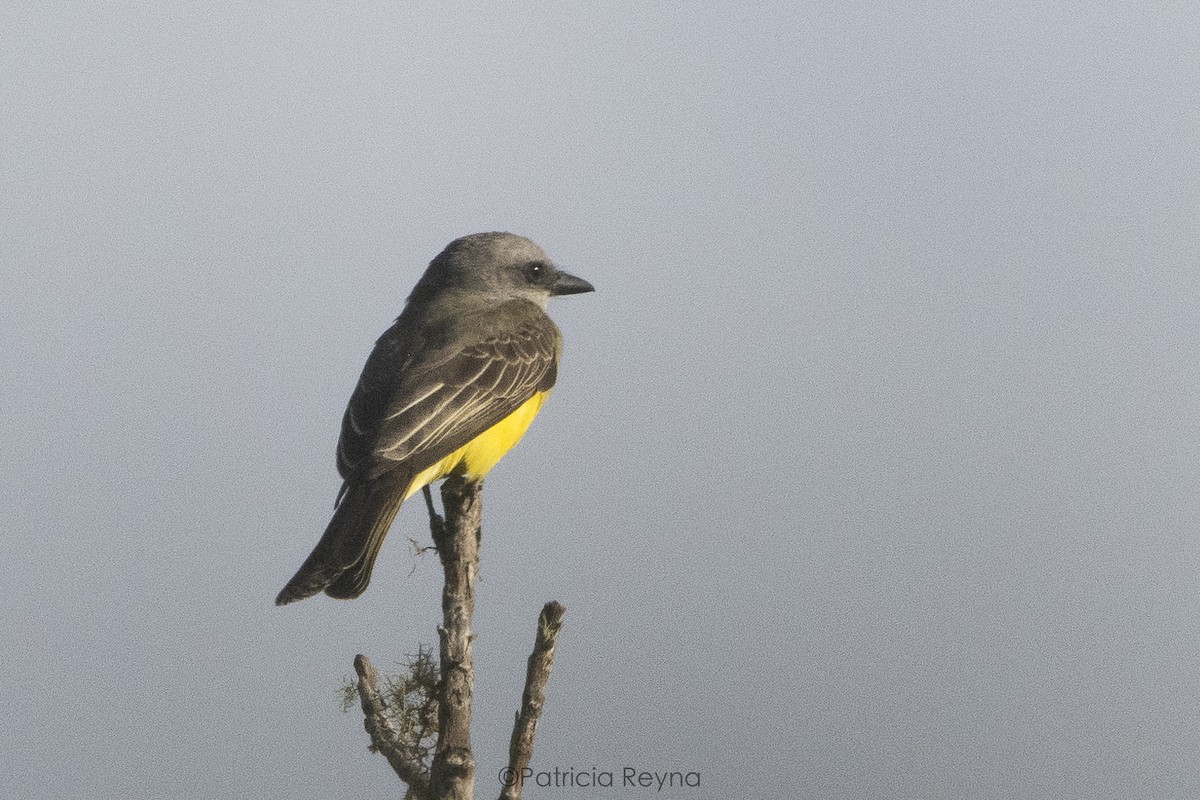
x=569, y=284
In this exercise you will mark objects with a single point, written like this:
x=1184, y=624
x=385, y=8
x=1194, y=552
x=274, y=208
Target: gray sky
x=871, y=471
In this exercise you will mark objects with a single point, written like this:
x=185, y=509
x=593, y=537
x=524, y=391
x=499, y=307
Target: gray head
x=498, y=266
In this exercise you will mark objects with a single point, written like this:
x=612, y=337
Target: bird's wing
x=415, y=405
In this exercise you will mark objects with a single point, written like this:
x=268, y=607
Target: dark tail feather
x=354, y=580
x=341, y=562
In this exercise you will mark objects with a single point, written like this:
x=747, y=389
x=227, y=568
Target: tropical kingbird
x=448, y=389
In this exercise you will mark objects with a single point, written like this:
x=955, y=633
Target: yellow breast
x=478, y=456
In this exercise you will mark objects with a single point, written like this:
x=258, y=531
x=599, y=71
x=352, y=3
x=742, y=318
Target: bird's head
x=499, y=267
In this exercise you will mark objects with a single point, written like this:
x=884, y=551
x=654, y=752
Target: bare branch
x=537, y=675
x=457, y=538
x=451, y=775
x=384, y=738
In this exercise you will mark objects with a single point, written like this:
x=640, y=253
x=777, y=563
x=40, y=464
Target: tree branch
x=452, y=774
x=537, y=675
x=384, y=738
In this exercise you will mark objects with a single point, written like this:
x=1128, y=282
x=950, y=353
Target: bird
x=448, y=389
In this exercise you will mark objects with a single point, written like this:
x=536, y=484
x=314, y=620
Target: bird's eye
x=535, y=270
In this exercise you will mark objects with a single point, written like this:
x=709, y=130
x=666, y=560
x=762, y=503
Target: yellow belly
x=479, y=455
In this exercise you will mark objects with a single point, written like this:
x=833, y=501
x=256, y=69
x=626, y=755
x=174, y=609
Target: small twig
x=384, y=738
x=418, y=549
x=537, y=675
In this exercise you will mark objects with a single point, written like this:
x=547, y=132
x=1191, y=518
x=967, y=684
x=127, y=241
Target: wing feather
x=417, y=402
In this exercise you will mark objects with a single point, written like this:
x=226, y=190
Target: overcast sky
x=872, y=467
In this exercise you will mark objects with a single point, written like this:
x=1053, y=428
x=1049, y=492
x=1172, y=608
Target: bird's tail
x=341, y=563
